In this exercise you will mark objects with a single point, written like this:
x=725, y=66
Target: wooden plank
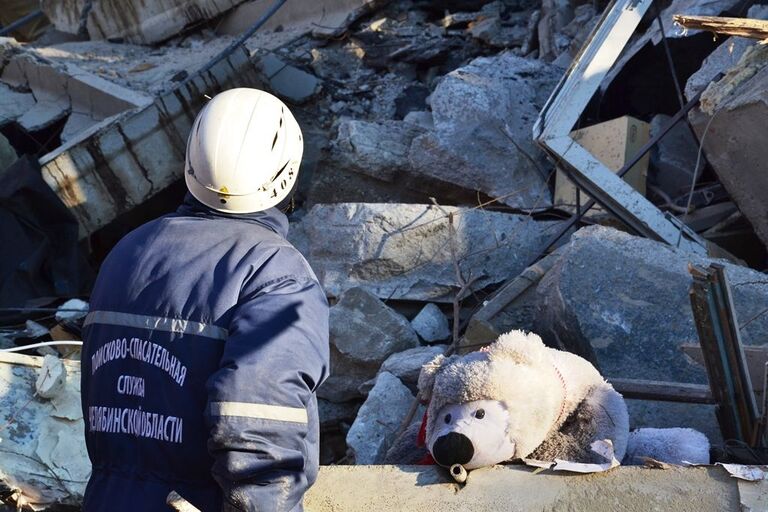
x=663, y=391
x=741, y=27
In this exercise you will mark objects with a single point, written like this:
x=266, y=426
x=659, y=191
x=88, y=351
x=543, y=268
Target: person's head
x=243, y=153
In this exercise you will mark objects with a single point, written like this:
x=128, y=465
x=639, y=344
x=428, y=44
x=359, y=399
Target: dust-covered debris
x=420, y=178
x=431, y=324
x=43, y=445
x=363, y=333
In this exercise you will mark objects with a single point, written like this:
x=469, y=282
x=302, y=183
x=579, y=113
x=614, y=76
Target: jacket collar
x=272, y=218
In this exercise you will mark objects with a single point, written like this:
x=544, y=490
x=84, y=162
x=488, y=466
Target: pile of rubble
x=423, y=197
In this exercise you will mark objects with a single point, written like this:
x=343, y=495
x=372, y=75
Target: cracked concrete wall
x=120, y=163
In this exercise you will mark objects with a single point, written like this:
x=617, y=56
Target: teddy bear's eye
x=447, y=418
x=480, y=414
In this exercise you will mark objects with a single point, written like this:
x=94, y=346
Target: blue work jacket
x=206, y=340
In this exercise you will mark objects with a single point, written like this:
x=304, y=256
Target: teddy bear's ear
x=427, y=377
x=519, y=346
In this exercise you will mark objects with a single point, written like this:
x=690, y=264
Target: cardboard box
x=613, y=143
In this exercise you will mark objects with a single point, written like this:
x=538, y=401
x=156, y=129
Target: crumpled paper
x=603, y=447
x=744, y=472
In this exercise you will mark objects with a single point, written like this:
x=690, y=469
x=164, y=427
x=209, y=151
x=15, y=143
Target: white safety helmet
x=243, y=152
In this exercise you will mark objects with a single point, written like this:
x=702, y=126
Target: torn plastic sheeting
x=41, y=441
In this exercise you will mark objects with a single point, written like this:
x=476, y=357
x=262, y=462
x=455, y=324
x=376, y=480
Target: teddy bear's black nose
x=453, y=448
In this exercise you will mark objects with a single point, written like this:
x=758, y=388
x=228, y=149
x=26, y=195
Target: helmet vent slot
x=279, y=172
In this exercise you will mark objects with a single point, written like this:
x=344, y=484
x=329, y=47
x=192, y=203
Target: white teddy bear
x=519, y=399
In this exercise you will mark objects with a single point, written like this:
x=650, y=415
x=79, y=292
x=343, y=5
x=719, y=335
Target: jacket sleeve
x=262, y=410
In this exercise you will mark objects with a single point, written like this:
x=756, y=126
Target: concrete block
x=379, y=418
x=724, y=57
x=476, y=109
x=431, y=324
x=50, y=377
x=363, y=333
x=406, y=365
x=734, y=143
x=518, y=489
x=13, y=104
x=379, y=150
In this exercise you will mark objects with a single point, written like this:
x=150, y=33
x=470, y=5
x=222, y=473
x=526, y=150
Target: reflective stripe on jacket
x=206, y=340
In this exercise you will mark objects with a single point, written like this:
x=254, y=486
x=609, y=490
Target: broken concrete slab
x=622, y=302
x=379, y=150
x=115, y=165
x=729, y=121
x=378, y=419
x=406, y=365
x=327, y=18
x=519, y=489
x=43, y=446
x=286, y=81
x=431, y=324
x=363, y=333
x=403, y=251
x=13, y=104
x=134, y=21
x=394, y=42
x=147, y=70
x=58, y=90
x=469, y=147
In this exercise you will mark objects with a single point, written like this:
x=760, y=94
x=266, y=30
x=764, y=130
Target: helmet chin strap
x=288, y=205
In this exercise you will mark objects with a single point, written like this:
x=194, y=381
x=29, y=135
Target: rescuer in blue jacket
x=208, y=333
